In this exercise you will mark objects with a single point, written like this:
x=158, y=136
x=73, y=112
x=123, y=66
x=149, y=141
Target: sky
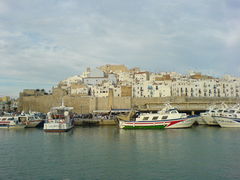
x=45, y=41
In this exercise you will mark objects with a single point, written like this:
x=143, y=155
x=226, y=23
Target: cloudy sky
x=45, y=41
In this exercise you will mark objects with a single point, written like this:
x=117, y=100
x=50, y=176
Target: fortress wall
x=121, y=103
x=89, y=104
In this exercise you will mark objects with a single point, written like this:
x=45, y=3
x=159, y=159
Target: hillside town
x=8, y=104
x=117, y=86
x=124, y=82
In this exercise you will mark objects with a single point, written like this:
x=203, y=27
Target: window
x=155, y=118
x=164, y=117
x=145, y=118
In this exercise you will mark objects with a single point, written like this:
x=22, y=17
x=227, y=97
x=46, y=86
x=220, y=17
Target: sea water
x=102, y=153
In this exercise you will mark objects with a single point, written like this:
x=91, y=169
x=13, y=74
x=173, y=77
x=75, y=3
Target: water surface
x=105, y=153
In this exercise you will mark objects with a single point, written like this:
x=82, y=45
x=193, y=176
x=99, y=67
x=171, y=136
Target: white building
x=145, y=84
x=117, y=91
x=125, y=77
x=149, y=89
x=71, y=80
x=100, y=91
x=141, y=77
x=205, y=88
x=96, y=77
x=79, y=89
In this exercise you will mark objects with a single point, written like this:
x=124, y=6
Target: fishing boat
x=168, y=117
x=59, y=119
x=200, y=120
x=9, y=122
x=31, y=120
x=230, y=117
x=213, y=111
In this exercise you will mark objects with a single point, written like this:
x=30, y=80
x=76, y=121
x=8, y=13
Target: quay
x=94, y=122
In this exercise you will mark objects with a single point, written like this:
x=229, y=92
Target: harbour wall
x=89, y=104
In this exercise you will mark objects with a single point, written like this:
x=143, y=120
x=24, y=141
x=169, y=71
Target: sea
x=110, y=153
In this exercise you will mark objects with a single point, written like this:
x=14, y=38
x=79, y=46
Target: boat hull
x=57, y=127
x=141, y=125
x=210, y=120
x=201, y=121
x=13, y=127
x=175, y=123
x=33, y=124
x=228, y=122
x=183, y=123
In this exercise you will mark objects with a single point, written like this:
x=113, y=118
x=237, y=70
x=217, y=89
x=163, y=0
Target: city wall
x=90, y=104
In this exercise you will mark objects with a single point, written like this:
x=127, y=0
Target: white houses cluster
x=120, y=81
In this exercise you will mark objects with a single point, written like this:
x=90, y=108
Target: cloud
x=50, y=40
x=3, y=7
x=231, y=37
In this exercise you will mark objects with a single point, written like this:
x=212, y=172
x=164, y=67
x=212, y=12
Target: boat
x=213, y=111
x=207, y=117
x=201, y=121
x=230, y=117
x=31, y=120
x=10, y=122
x=167, y=118
x=59, y=119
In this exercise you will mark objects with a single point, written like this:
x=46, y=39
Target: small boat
x=167, y=118
x=230, y=117
x=31, y=121
x=201, y=121
x=10, y=122
x=59, y=119
x=209, y=116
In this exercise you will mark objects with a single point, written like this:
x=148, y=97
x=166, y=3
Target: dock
x=94, y=122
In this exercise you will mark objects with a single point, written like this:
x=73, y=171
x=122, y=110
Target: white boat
x=213, y=111
x=30, y=120
x=200, y=120
x=230, y=117
x=207, y=116
x=168, y=118
x=10, y=122
x=58, y=119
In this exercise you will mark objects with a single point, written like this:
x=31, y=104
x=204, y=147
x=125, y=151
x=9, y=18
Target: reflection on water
x=200, y=152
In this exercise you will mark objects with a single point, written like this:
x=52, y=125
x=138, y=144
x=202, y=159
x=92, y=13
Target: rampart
x=89, y=104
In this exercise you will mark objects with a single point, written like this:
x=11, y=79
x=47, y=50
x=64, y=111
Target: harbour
x=62, y=118
x=107, y=152
x=135, y=90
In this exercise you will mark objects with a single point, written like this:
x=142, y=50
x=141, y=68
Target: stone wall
x=89, y=104
x=44, y=103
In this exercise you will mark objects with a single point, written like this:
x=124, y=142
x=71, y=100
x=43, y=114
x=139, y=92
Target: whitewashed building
x=135, y=83
x=141, y=76
x=96, y=77
x=79, y=89
x=117, y=91
x=149, y=89
x=205, y=88
x=100, y=91
x=125, y=77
